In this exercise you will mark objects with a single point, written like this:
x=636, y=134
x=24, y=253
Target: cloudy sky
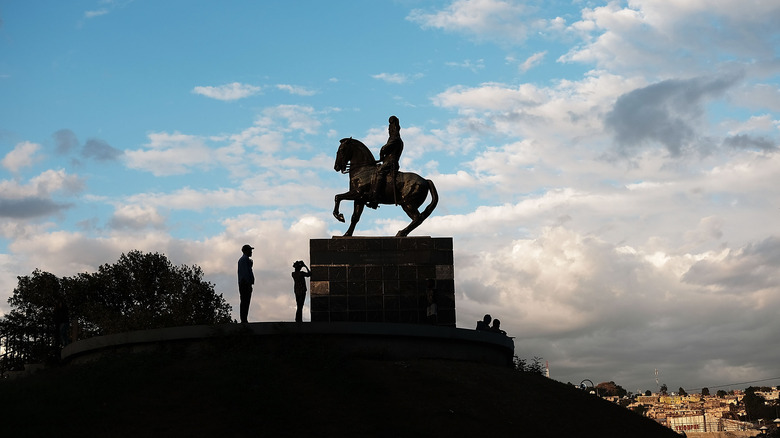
x=608, y=170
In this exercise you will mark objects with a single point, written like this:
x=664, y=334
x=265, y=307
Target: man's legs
x=299, y=298
x=246, y=297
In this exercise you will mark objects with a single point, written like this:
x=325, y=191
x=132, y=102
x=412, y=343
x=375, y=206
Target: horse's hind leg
x=414, y=215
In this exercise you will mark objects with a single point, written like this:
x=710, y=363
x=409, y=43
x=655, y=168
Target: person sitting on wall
x=485, y=323
x=496, y=328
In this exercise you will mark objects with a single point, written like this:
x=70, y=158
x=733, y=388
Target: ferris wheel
x=583, y=386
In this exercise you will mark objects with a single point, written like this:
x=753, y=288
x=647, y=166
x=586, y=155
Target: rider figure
x=389, y=156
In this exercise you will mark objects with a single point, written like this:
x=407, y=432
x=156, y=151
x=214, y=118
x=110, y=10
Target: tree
x=640, y=409
x=140, y=291
x=664, y=389
x=610, y=389
x=28, y=328
x=648, y=393
x=681, y=391
x=755, y=405
x=144, y=291
x=705, y=392
x=535, y=367
x=721, y=393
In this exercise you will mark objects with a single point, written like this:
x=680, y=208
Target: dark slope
x=302, y=389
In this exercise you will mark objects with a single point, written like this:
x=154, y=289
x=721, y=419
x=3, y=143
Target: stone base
x=381, y=279
x=365, y=340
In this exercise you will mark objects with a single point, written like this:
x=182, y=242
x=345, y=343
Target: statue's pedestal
x=381, y=279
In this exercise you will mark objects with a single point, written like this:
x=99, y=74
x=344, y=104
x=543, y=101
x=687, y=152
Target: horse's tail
x=434, y=201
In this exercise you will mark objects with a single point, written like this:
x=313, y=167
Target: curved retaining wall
x=373, y=340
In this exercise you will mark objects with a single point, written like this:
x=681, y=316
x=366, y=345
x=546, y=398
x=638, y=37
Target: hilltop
x=233, y=390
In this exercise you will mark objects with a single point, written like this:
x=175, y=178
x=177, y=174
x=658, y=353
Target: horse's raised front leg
x=350, y=195
x=356, y=212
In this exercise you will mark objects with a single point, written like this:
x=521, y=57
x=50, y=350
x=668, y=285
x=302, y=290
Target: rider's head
x=395, y=125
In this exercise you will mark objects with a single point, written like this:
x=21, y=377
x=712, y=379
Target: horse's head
x=353, y=154
x=343, y=155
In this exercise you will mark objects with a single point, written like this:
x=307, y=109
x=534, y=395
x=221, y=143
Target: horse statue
x=406, y=189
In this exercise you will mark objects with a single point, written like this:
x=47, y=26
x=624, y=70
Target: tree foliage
x=145, y=291
x=140, y=291
x=534, y=367
x=28, y=330
x=756, y=406
x=640, y=409
x=610, y=389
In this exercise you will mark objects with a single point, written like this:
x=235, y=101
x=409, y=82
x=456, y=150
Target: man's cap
x=246, y=247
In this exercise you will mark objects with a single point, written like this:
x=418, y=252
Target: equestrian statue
x=373, y=182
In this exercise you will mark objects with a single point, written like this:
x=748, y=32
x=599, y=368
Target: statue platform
x=381, y=279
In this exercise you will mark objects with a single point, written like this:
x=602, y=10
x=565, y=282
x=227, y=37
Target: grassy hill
x=301, y=388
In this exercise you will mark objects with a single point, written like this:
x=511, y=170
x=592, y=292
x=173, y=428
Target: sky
x=608, y=171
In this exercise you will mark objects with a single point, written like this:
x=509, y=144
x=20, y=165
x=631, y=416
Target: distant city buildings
x=700, y=413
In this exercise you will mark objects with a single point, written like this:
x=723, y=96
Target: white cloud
x=763, y=123
x=22, y=155
x=563, y=293
x=457, y=181
x=393, y=78
x=657, y=37
x=474, y=66
x=491, y=97
x=561, y=114
x=265, y=190
x=95, y=13
x=532, y=61
x=188, y=198
x=136, y=217
x=240, y=154
x=52, y=181
x=287, y=118
x=297, y=90
x=759, y=96
x=170, y=154
x=227, y=92
x=35, y=199
x=489, y=19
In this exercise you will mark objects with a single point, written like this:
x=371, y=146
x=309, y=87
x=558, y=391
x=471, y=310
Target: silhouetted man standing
x=245, y=281
x=299, y=287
